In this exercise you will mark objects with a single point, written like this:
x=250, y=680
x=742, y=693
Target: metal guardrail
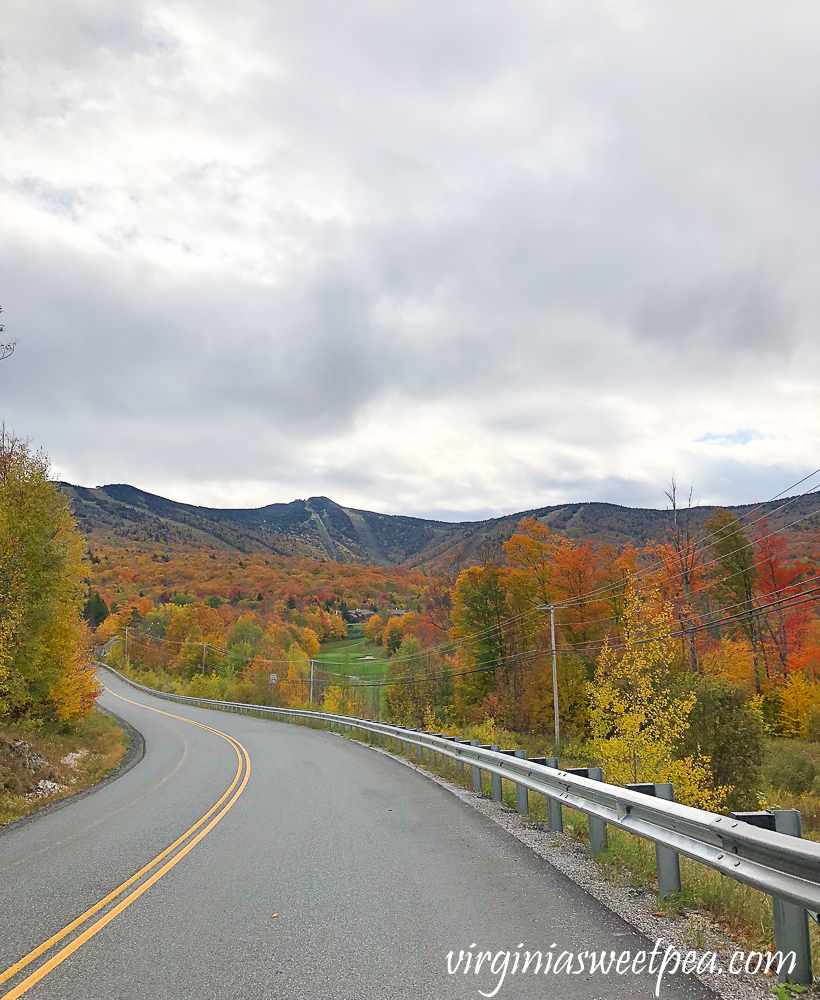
x=783, y=866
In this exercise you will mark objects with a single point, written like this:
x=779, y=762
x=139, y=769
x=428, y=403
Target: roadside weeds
x=42, y=765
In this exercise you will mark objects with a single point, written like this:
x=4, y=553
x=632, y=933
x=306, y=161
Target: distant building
x=360, y=614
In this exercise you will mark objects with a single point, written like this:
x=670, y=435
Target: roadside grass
x=781, y=769
x=63, y=758
x=807, y=804
x=776, y=745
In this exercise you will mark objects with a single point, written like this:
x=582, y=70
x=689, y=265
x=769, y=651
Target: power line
x=704, y=544
x=491, y=665
x=473, y=638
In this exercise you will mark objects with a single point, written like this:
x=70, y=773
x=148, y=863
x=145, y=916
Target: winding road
x=242, y=858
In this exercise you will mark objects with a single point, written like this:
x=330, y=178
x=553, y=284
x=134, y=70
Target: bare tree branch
x=7, y=349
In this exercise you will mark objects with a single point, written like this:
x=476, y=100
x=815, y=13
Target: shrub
x=790, y=769
x=726, y=729
x=771, y=707
x=813, y=727
x=799, y=698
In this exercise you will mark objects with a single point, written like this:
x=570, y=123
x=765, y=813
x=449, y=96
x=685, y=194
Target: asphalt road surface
x=284, y=862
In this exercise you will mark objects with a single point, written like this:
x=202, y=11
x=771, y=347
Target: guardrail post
x=522, y=793
x=460, y=763
x=419, y=749
x=476, y=771
x=432, y=752
x=555, y=815
x=477, y=782
x=597, y=827
x=522, y=799
x=450, y=739
x=667, y=861
x=496, y=791
x=791, y=922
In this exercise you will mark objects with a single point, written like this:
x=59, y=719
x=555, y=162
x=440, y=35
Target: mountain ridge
x=127, y=517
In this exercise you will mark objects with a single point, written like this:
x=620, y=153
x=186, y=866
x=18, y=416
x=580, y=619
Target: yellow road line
x=40, y=949
x=97, y=926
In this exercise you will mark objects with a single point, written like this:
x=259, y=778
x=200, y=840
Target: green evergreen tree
x=95, y=610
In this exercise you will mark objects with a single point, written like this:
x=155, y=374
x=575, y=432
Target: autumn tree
x=44, y=641
x=532, y=551
x=776, y=577
x=637, y=724
x=496, y=634
x=412, y=688
x=374, y=628
x=680, y=555
x=799, y=699
x=479, y=608
x=734, y=575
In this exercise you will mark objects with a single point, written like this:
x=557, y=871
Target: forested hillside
x=127, y=518
x=713, y=621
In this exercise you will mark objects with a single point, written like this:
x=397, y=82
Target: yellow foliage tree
x=637, y=725
x=373, y=629
x=293, y=690
x=44, y=642
x=799, y=698
x=732, y=659
x=533, y=550
x=107, y=629
x=309, y=642
x=326, y=626
x=75, y=688
x=334, y=700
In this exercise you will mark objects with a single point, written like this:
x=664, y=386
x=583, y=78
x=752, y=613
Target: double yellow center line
x=190, y=839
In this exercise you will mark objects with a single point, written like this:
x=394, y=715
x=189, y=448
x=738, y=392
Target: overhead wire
x=473, y=638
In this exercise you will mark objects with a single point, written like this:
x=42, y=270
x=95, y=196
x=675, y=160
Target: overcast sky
x=449, y=259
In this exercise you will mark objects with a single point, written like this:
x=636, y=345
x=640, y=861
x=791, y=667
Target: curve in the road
x=243, y=771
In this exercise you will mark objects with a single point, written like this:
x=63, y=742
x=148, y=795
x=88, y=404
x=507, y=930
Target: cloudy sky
x=449, y=259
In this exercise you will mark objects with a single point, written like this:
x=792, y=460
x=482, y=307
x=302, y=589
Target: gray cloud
x=451, y=259
x=742, y=314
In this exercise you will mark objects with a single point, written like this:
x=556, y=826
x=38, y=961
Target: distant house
x=360, y=614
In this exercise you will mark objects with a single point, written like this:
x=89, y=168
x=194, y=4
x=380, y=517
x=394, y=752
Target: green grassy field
x=355, y=657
